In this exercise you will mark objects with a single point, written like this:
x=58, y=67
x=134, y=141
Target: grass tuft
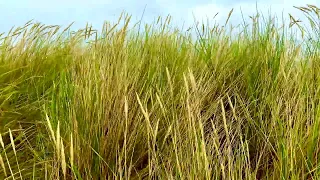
x=154, y=102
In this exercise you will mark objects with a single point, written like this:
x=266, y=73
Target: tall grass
x=119, y=104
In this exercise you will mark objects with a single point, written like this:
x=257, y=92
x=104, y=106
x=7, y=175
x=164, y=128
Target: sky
x=95, y=12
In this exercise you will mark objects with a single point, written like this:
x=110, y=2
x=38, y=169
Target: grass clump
x=159, y=104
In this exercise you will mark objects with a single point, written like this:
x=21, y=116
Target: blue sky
x=63, y=12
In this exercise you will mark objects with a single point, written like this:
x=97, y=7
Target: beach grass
x=159, y=104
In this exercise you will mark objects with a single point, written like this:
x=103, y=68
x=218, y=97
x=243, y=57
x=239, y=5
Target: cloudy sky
x=63, y=12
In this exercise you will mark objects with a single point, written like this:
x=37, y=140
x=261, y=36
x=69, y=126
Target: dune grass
x=159, y=104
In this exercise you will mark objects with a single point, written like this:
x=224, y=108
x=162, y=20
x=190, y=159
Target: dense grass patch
x=119, y=104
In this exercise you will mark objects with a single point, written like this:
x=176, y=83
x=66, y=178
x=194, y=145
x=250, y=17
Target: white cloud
x=273, y=7
x=245, y=9
x=63, y=12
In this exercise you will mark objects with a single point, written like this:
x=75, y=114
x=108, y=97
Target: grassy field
x=158, y=104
